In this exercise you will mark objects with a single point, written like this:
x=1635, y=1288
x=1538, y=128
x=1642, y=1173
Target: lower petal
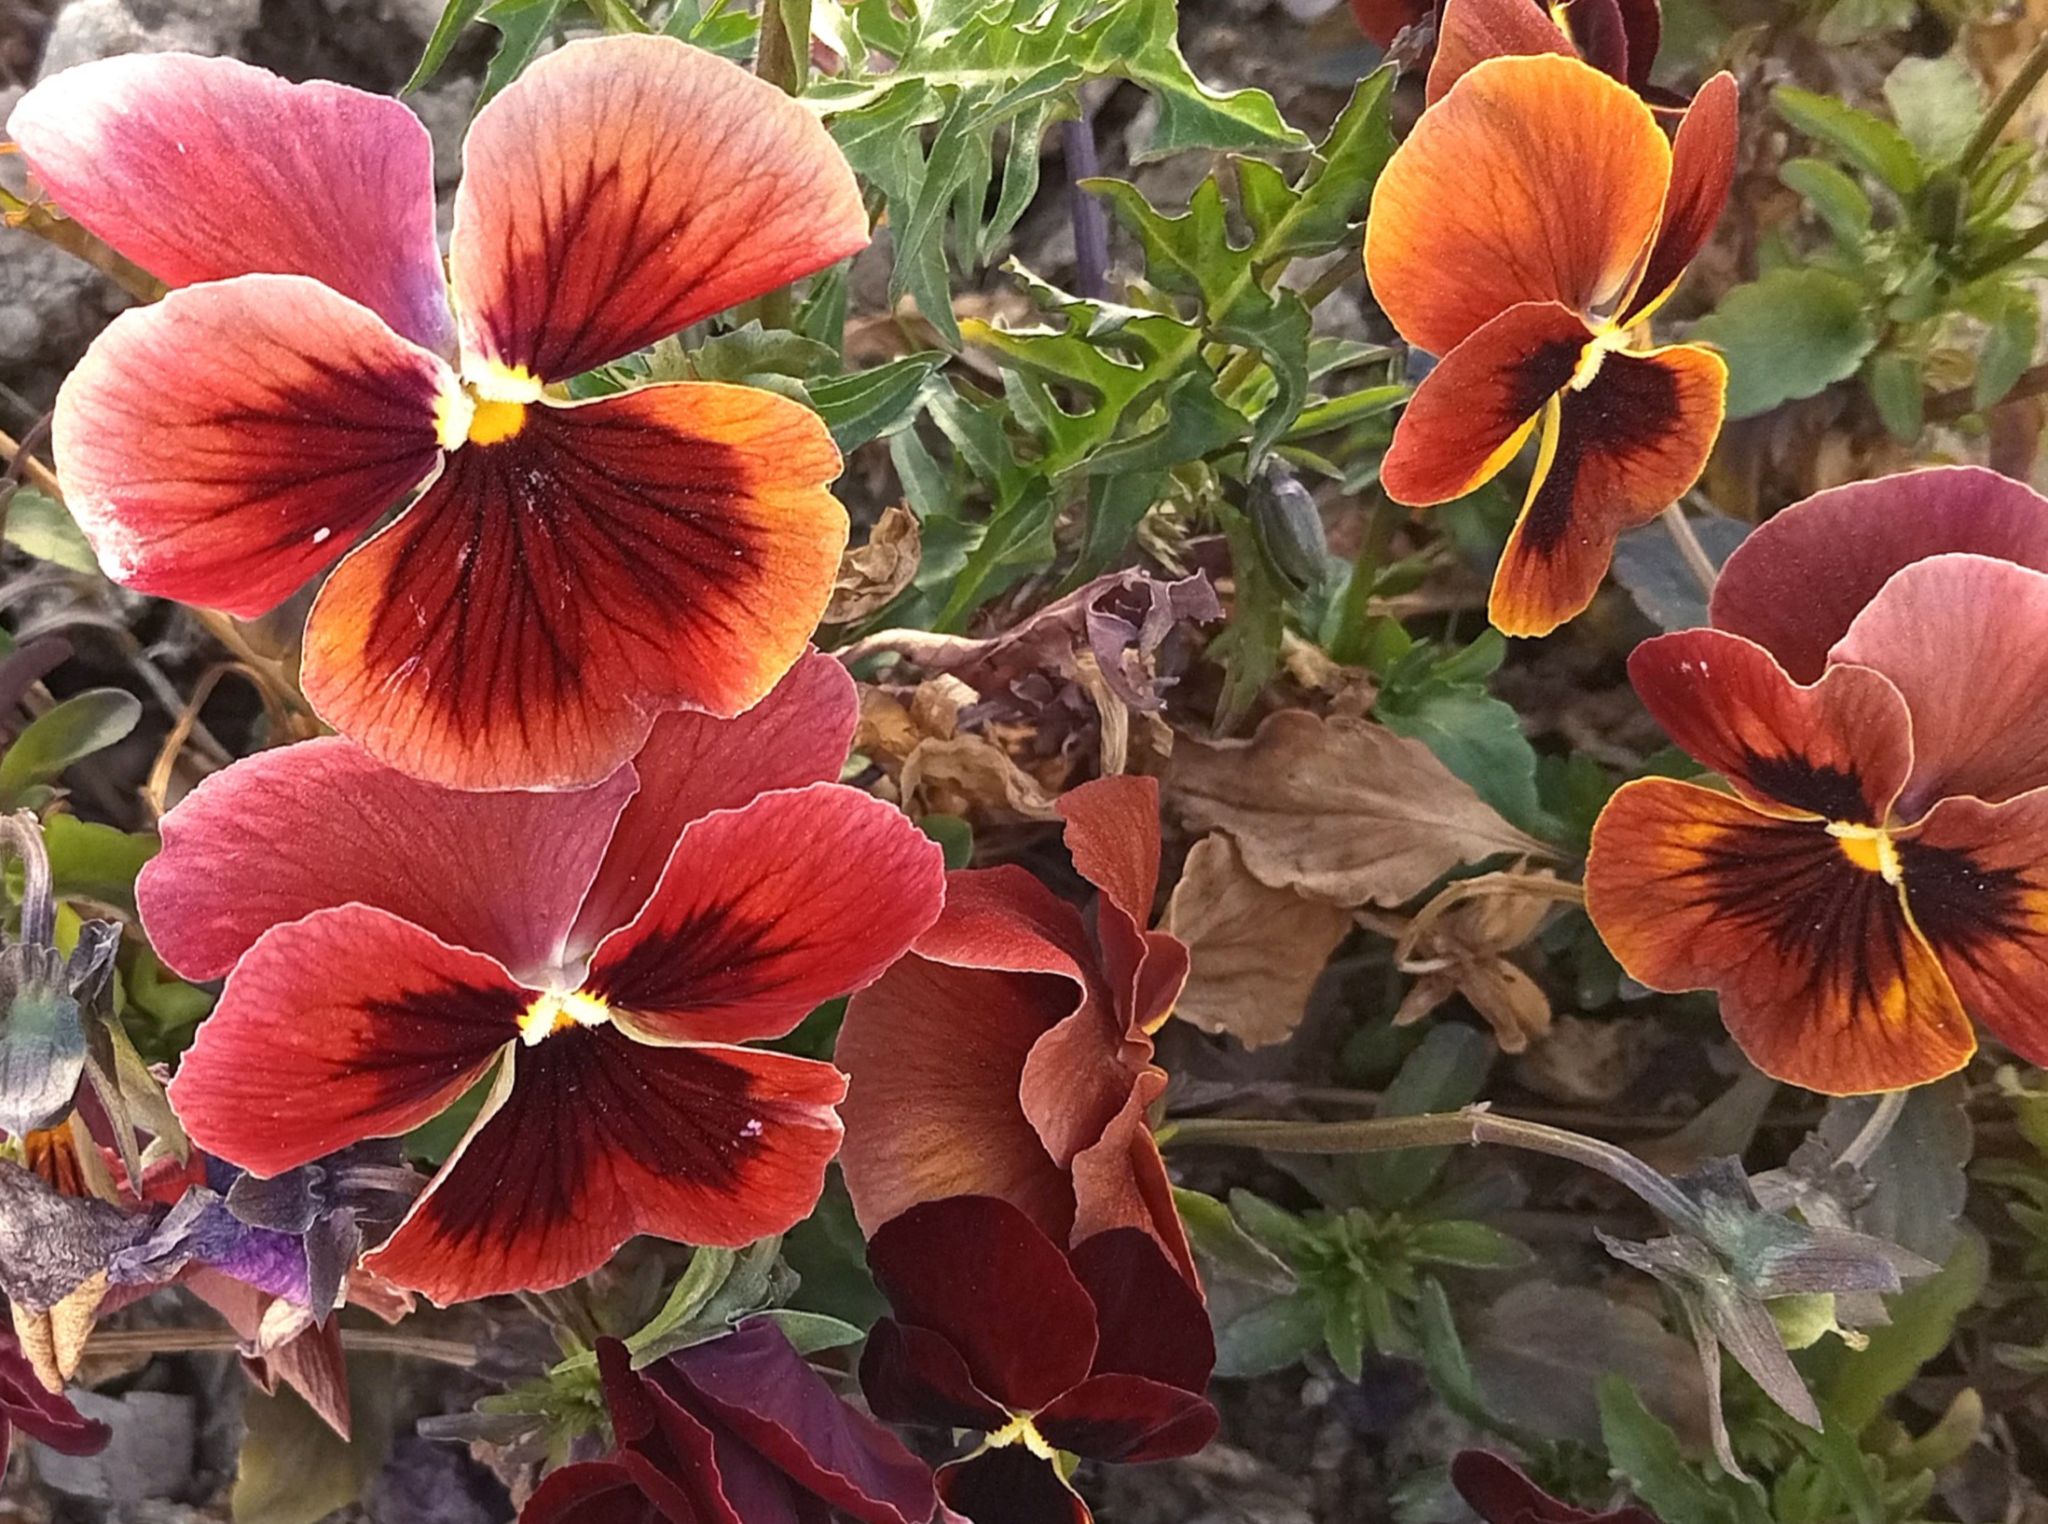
x=1150, y=1321
x=599, y=1138
x=1823, y=981
x=1628, y=445
x=1128, y=1419
x=346, y=1025
x=555, y=590
x=594, y=1492
x=1010, y=1486
x=223, y=445
x=1121, y=1181
x=911, y=1375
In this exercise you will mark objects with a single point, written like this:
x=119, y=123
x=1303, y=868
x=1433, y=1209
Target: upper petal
x=1823, y=980
x=1150, y=1321
x=694, y=764
x=1702, y=171
x=1798, y=582
x=1840, y=749
x=1468, y=32
x=1112, y=835
x=554, y=591
x=1560, y=175
x=203, y=168
x=622, y=188
x=346, y=1025
x=223, y=445
x=300, y=828
x=769, y=910
x=597, y=1138
x=1003, y=917
x=1959, y=636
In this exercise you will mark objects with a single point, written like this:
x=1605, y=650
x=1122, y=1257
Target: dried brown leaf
x=876, y=572
x=970, y=776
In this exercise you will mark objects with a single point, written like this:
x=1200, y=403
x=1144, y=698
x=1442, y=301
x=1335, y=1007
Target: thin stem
x=1337, y=275
x=1947, y=407
x=115, y=1342
x=1347, y=645
x=24, y=466
x=1999, y=255
x=1697, y=561
x=2009, y=101
x=1864, y=1146
x=74, y=240
x=20, y=832
x=1091, y=223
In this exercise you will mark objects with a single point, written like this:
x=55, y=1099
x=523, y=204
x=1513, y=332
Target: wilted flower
x=596, y=956
x=1102, y=1351
x=738, y=1428
x=1500, y=1494
x=26, y=1404
x=1011, y=1054
x=571, y=570
x=1575, y=218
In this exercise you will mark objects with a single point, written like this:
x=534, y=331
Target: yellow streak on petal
x=1605, y=341
x=1868, y=847
x=557, y=1012
x=1020, y=1430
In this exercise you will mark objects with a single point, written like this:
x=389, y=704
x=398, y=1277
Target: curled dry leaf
x=876, y=572
x=1255, y=951
x=934, y=766
x=1338, y=809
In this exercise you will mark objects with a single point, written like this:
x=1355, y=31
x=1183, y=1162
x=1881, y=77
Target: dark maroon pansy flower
x=26, y=1404
x=1500, y=1494
x=1101, y=1352
x=739, y=1430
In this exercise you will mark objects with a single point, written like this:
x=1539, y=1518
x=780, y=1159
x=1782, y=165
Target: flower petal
x=1384, y=20
x=1128, y=1419
x=1010, y=1486
x=300, y=828
x=1120, y=1180
x=1840, y=749
x=1150, y=1321
x=694, y=764
x=980, y=1274
x=203, y=168
x=1947, y=632
x=552, y=592
x=1642, y=23
x=1702, y=171
x=911, y=1375
x=223, y=445
x=1976, y=879
x=934, y=1057
x=672, y=1457
x=46, y=1416
x=1469, y=32
x=1004, y=918
x=594, y=1492
x=756, y=1384
x=1798, y=582
x=1112, y=835
x=1472, y=414
x=1627, y=445
x=599, y=1138
x=346, y=1025
x=1561, y=175
x=1823, y=981
x=768, y=911
x=621, y=189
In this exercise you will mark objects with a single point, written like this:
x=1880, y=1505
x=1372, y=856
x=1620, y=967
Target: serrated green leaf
x=1791, y=334
x=1869, y=141
x=1899, y=391
x=454, y=18
x=2013, y=332
x=1331, y=197
x=523, y=26
x=871, y=403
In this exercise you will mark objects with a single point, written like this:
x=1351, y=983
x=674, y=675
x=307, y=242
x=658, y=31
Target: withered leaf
x=877, y=571
x=1339, y=809
x=1256, y=951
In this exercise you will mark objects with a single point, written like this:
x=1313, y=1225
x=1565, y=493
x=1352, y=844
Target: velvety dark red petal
x=1384, y=20
x=346, y=1025
x=767, y=911
x=1823, y=980
x=595, y=1492
x=596, y=1138
x=756, y=1384
x=223, y=445
x=1010, y=1486
x=1957, y=635
x=1626, y=446
x=1840, y=749
x=670, y=1455
x=934, y=1057
x=913, y=1376
x=203, y=168
x=302, y=828
x=1473, y=413
x=1702, y=171
x=621, y=189
x=1500, y=1494
x=1561, y=174
x=1471, y=31
x=1149, y=1321
x=44, y=1415
x=557, y=588
x=1642, y=22
x=1128, y=1419
x=1976, y=879
x=1798, y=582
x=694, y=764
x=981, y=1275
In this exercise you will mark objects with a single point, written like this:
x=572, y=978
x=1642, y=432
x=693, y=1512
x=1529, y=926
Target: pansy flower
x=1572, y=218
x=1618, y=37
x=1879, y=874
x=1385, y=20
x=737, y=1430
x=1500, y=1493
x=1011, y=1054
x=593, y=957
x=570, y=570
x=1102, y=1352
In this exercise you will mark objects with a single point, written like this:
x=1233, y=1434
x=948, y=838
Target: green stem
x=1694, y=554
x=1237, y=372
x=1319, y=290
x=783, y=55
x=2009, y=100
x=1347, y=645
x=2001, y=254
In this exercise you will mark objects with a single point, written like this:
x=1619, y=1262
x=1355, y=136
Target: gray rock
x=149, y=1456
x=89, y=29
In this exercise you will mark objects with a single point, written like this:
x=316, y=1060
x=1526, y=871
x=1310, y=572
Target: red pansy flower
x=571, y=570
x=1102, y=1351
x=1574, y=217
x=1385, y=20
x=739, y=1430
x=1618, y=37
x=598, y=954
x=1500, y=1494
x=1880, y=872
x=1011, y=1054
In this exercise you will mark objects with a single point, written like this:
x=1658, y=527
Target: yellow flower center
x=1869, y=847
x=557, y=1012
x=1020, y=1430
x=1605, y=342
x=487, y=407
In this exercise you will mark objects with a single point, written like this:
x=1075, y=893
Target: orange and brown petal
x=1823, y=980
x=1472, y=31
x=1627, y=444
x=561, y=585
x=1702, y=172
x=1559, y=176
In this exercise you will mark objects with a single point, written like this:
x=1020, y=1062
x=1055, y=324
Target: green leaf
x=1869, y=141
x=1854, y=1385
x=1648, y=562
x=745, y=353
x=811, y=1332
x=1445, y=1071
x=871, y=403
x=292, y=1468
x=1345, y=1316
x=1835, y=1448
x=1791, y=334
x=70, y=731
x=40, y=525
x=96, y=862
x=523, y=26
x=1228, y=1248
x=458, y=15
x=1470, y=1245
x=1644, y=1452
x=1835, y=198
x=1936, y=102
x=1476, y=736
x=1900, y=393
x=1276, y=1228
x=1330, y=198
x=1270, y=1337
x=2013, y=321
